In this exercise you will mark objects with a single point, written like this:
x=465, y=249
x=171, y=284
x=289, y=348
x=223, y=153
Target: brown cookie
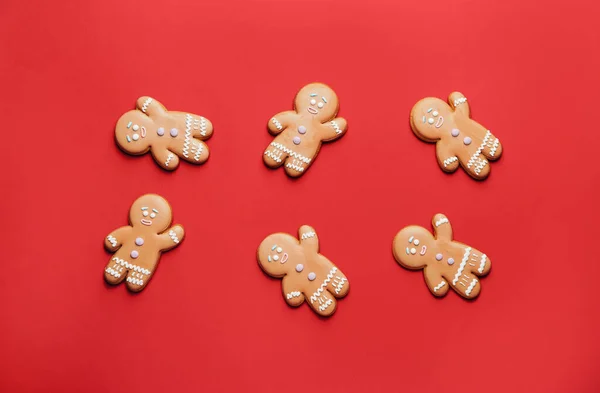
x=138, y=246
x=300, y=132
x=446, y=263
x=459, y=140
x=169, y=136
x=306, y=273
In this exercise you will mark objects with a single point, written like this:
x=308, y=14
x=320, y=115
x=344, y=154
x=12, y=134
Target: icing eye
x=152, y=215
x=275, y=257
x=279, y=249
x=416, y=242
x=320, y=105
x=135, y=137
x=145, y=213
x=430, y=120
x=136, y=127
x=435, y=113
x=313, y=101
x=413, y=251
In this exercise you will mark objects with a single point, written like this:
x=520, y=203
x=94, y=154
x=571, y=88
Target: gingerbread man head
x=134, y=132
x=413, y=243
x=319, y=100
x=151, y=212
x=432, y=119
x=275, y=251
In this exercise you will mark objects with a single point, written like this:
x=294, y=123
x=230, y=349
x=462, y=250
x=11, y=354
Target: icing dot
x=152, y=215
x=467, y=141
x=275, y=257
x=296, y=140
x=145, y=213
x=134, y=254
x=438, y=257
x=302, y=130
x=435, y=113
x=299, y=267
x=312, y=102
x=430, y=120
x=455, y=132
x=312, y=276
x=174, y=132
x=135, y=137
x=320, y=105
x=413, y=251
x=136, y=127
x=450, y=261
x=416, y=242
x=139, y=241
x=160, y=131
x=279, y=249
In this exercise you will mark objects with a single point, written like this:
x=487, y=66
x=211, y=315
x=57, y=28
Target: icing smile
x=423, y=250
x=146, y=222
x=284, y=258
x=439, y=122
x=312, y=110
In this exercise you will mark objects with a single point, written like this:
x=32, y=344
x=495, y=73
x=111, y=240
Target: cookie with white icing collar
x=445, y=263
x=137, y=247
x=300, y=132
x=459, y=140
x=169, y=136
x=306, y=274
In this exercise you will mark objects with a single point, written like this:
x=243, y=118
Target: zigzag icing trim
x=146, y=103
x=459, y=101
x=325, y=305
x=198, y=147
x=479, y=150
x=293, y=294
x=439, y=286
x=295, y=167
x=135, y=281
x=169, y=158
x=112, y=240
x=449, y=161
x=290, y=152
x=173, y=236
x=319, y=291
x=441, y=221
x=462, y=266
x=188, y=134
x=273, y=156
x=307, y=235
x=113, y=272
x=471, y=286
x=130, y=266
x=482, y=264
x=336, y=127
x=480, y=166
x=200, y=125
x=494, y=147
x=339, y=285
x=277, y=123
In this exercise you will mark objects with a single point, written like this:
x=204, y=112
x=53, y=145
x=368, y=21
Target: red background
x=210, y=320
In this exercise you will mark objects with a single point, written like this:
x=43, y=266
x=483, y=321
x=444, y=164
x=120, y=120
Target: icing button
x=296, y=140
x=302, y=130
x=160, y=131
x=312, y=276
x=174, y=132
x=455, y=132
x=299, y=267
x=467, y=141
x=450, y=261
x=139, y=241
x=439, y=257
x=134, y=254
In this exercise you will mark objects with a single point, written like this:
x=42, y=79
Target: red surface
x=210, y=320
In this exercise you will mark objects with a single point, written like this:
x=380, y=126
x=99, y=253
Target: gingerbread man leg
x=477, y=165
x=338, y=286
x=114, y=272
x=474, y=264
x=294, y=167
x=275, y=155
x=323, y=303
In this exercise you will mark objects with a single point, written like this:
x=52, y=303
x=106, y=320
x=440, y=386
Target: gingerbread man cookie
x=306, y=273
x=168, y=135
x=446, y=263
x=299, y=133
x=459, y=140
x=138, y=246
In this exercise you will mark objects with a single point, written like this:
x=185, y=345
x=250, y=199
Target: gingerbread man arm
x=292, y=295
x=170, y=238
x=308, y=238
x=442, y=229
x=163, y=157
x=334, y=129
x=115, y=239
x=281, y=121
x=435, y=282
x=459, y=103
x=150, y=106
x=446, y=158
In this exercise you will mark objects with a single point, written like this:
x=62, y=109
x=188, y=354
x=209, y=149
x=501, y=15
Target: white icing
x=316, y=295
x=306, y=235
x=112, y=240
x=290, y=152
x=441, y=221
x=461, y=267
x=482, y=264
x=113, y=272
x=277, y=158
x=277, y=123
x=293, y=294
x=449, y=161
x=173, y=236
x=459, y=101
x=169, y=158
x=439, y=286
x=325, y=305
x=339, y=285
x=135, y=281
x=188, y=134
x=475, y=156
x=124, y=263
x=198, y=147
x=336, y=127
x=295, y=167
x=146, y=103
x=471, y=286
